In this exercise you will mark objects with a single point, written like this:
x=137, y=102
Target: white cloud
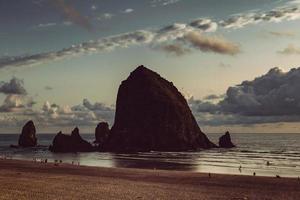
x=279, y=14
x=128, y=10
x=105, y=16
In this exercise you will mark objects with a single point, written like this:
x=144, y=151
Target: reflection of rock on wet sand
x=147, y=161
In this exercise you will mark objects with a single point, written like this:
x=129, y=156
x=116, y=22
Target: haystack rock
x=152, y=115
x=101, y=133
x=70, y=143
x=225, y=141
x=27, y=137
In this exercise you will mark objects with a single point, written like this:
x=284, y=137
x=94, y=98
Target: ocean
x=252, y=153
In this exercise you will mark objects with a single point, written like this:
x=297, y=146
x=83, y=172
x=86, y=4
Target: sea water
x=263, y=153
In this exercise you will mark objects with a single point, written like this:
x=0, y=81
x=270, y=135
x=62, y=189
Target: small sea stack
x=28, y=137
x=225, y=141
x=70, y=143
x=101, y=133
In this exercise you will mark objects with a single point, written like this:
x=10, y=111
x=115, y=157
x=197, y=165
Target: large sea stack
x=27, y=137
x=152, y=115
x=70, y=143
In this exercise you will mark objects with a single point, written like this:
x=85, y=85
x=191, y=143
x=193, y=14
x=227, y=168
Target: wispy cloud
x=105, y=16
x=155, y=3
x=128, y=10
x=282, y=33
x=290, y=49
x=212, y=44
x=190, y=34
x=279, y=14
x=72, y=14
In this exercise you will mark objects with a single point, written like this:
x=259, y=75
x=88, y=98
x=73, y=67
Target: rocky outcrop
x=101, y=133
x=27, y=137
x=151, y=114
x=225, y=141
x=70, y=143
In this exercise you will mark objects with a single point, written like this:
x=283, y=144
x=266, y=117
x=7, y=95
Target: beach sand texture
x=29, y=180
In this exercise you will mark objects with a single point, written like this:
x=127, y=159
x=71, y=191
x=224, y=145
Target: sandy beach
x=29, y=180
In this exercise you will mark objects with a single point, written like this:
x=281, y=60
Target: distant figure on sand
x=254, y=174
x=268, y=163
x=240, y=168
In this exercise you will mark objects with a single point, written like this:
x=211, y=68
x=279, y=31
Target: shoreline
x=31, y=180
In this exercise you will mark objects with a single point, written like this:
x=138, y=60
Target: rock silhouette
x=101, y=133
x=225, y=141
x=70, y=143
x=27, y=137
x=152, y=115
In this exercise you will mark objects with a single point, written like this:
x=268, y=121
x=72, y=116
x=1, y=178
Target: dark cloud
x=273, y=97
x=48, y=88
x=207, y=25
x=214, y=97
x=96, y=106
x=14, y=86
x=72, y=14
x=211, y=44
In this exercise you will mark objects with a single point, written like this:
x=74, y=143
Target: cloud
x=16, y=103
x=48, y=87
x=95, y=107
x=72, y=14
x=282, y=33
x=272, y=97
x=204, y=24
x=155, y=3
x=105, y=16
x=101, y=45
x=14, y=86
x=279, y=14
x=211, y=44
x=46, y=25
x=289, y=50
x=94, y=7
x=224, y=65
x=85, y=114
x=175, y=49
x=128, y=10
x=213, y=97
x=166, y=38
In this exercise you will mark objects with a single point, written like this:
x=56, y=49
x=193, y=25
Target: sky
x=62, y=61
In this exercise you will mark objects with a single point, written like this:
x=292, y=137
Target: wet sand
x=29, y=180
